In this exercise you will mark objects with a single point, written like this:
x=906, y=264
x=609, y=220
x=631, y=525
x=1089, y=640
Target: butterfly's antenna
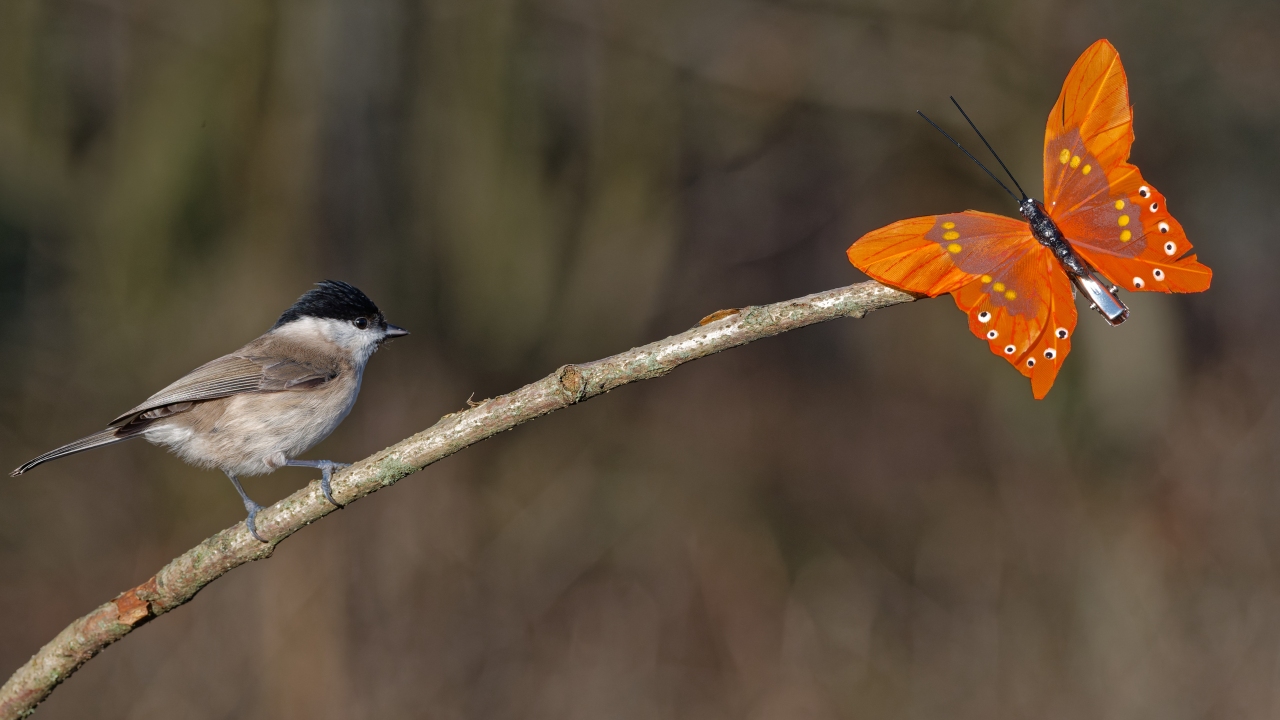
x=971, y=157
x=993, y=152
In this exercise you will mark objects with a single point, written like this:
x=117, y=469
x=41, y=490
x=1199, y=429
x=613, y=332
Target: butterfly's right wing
x=1114, y=218
x=1090, y=128
x=1008, y=284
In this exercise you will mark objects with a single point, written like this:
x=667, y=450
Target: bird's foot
x=326, y=474
x=326, y=468
x=251, y=522
x=252, y=507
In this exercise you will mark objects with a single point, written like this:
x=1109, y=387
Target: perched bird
x=258, y=408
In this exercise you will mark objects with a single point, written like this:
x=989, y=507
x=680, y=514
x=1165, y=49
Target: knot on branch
x=572, y=382
x=133, y=607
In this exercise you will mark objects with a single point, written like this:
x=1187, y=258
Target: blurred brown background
x=864, y=519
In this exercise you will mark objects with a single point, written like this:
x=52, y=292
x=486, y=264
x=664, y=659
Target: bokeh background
x=864, y=519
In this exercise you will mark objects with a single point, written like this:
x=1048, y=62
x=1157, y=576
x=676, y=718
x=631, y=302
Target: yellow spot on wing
x=950, y=235
x=1124, y=220
x=1125, y=235
x=954, y=248
x=1085, y=170
x=1064, y=156
x=998, y=287
x=986, y=279
x=948, y=224
x=1119, y=204
x=1075, y=161
x=1011, y=295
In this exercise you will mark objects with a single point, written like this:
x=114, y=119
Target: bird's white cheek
x=360, y=343
x=360, y=346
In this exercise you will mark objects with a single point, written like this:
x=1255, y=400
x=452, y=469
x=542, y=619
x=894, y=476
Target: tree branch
x=181, y=579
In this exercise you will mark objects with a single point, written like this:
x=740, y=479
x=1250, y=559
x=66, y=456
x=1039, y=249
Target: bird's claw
x=250, y=506
x=326, y=474
x=252, y=521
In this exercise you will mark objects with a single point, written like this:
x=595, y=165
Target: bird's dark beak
x=395, y=331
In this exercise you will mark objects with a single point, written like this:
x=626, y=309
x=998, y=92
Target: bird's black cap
x=333, y=300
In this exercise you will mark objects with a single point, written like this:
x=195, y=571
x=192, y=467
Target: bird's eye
x=362, y=323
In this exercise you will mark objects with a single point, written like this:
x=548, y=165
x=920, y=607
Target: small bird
x=258, y=408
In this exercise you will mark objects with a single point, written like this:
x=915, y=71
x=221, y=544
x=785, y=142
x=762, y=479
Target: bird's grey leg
x=249, y=505
x=326, y=468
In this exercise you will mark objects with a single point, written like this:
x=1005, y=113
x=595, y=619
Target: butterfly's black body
x=1046, y=232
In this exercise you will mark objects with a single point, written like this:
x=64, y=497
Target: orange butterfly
x=1014, y=277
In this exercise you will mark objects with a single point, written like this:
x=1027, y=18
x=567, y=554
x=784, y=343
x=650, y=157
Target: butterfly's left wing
x=1016, y=296
x=1037, y=342
x=1113, y=217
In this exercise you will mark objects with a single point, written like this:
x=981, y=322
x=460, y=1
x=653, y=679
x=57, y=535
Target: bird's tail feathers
x=98, y=439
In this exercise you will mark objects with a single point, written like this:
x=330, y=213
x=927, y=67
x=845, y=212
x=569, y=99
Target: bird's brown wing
x=284, y=374
x=229, y=375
